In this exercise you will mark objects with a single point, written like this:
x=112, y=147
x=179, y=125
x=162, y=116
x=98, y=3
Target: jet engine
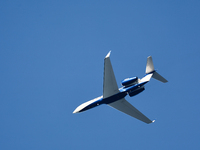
x=129, y=81
x=136, y=92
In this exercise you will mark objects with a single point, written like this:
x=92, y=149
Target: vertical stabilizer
x=149, y=66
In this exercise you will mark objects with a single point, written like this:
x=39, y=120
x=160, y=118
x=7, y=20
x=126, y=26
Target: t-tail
x=150, y=70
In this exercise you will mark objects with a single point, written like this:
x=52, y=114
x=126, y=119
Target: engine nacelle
x=136, y=92
x=129, y=81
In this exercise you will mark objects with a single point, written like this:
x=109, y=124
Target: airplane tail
x=150, y=70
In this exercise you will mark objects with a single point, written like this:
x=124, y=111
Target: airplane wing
x=109, y=82
x=125, y=107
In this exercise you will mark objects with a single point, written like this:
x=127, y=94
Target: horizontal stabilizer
x=157, y=76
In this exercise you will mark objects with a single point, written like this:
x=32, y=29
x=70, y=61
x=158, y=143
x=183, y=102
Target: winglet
x=108, y=55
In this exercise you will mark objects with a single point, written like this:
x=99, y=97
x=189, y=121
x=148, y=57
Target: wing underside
x=125, y=107
x=109, y=83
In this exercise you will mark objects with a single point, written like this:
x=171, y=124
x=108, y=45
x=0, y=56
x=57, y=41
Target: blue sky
x=51, y=61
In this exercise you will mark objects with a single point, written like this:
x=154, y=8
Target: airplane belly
x=114, y=98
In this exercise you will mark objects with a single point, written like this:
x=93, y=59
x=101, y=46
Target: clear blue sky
x=51, y=61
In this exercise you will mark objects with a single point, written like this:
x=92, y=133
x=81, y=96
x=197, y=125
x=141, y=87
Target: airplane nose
x=76, y=111
x=79, y=108
x=87, y=105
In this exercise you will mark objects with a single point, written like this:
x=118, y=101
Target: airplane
x=115, y=97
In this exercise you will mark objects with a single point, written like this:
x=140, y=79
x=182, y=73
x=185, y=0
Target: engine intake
x=129, y=81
